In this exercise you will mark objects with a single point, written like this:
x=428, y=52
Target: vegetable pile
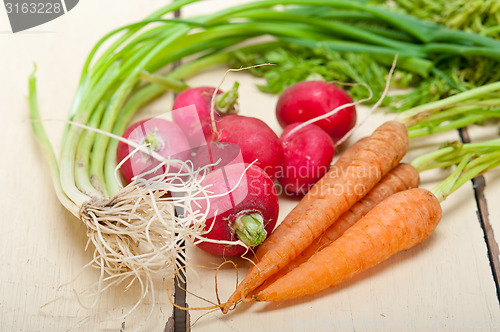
x=365, y=210
x=206, y=178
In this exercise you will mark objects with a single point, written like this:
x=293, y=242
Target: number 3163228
x=33, y=8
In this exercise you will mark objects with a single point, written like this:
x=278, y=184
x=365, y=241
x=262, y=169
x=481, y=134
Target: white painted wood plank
x=492, y=178
x=42, y=244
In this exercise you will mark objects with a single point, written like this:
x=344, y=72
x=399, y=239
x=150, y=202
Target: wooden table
x=449, y=283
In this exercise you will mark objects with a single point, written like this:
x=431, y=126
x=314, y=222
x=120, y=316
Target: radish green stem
x=227, y=102
x=424, y=31
x=132, y=28
x=249, y=228
x=350, y=46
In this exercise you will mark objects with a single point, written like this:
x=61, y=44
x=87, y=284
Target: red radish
x=218, y=153
x=256, y=140
x=247, y=213
x=201, y=98
x=308, y=153
x=309, y=99
x=164, y=137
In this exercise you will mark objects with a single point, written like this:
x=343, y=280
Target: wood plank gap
x=478, y=184
x=180, y=316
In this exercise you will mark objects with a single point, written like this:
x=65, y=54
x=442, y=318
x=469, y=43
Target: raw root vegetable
x=400, y=222
x=157, y=135
x=309, y=99
x=258, y=142
x=218, y=154
x=136, y=234
x=402, y=177
x=323, y=185
x=245, y=213
x=316, y=155
x=308, y=154
x=201, y=98
x=381, y=152
x=336, y=171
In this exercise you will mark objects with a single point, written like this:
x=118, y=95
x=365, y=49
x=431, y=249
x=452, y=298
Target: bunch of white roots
x=142, y=231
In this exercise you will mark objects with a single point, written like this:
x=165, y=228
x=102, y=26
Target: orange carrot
x=335, y=171
x=402, y=177
x=319, y=187
x=382, y=151
x=400, y=222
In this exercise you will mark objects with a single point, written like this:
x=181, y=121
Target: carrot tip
x=226, y=307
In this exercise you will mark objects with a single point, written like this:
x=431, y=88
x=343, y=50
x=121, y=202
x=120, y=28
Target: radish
x=201, y=98
x=164, y=138
x=218, y=154
x=309, y=99
x=245, y=210
x=256, y=140
x=308, y=152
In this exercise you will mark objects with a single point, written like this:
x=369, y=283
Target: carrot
x=335, y=171
x=400, y=222
x=382, y=151
x=402, y=177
